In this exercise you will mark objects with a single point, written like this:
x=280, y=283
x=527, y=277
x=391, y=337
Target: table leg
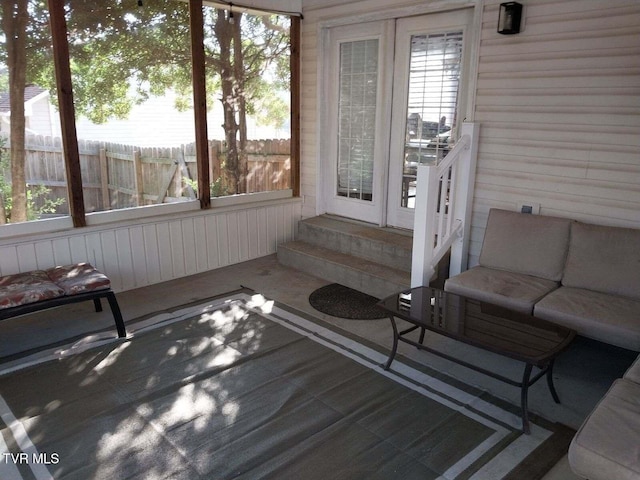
x=394, y=349
x=552, y=388
x=422, y=331
x=524, y=394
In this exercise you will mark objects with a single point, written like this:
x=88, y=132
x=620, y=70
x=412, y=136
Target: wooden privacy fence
x=119, y=176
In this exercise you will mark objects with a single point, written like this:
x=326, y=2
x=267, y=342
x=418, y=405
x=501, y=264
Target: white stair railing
x=444, y=196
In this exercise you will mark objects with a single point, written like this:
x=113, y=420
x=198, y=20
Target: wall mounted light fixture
x=509, y=18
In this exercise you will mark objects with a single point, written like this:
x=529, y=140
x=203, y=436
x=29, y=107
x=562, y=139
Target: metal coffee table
x=490, y=327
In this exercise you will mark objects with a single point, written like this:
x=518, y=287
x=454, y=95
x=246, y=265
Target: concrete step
x=381, y=245
x=358, y=273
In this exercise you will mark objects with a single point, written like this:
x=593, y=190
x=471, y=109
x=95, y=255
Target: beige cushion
x=508, y=289
x=524, y=243
x=607, y=445
x=633, y=372
x=606, y=259
x=607, y=318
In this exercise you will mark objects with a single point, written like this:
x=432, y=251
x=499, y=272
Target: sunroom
x=362, y=97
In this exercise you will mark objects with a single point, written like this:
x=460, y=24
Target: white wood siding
x=558, y=106
x=136, y=254
x=559, y=109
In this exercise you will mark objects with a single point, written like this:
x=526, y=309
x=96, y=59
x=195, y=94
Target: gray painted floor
x=582, y=374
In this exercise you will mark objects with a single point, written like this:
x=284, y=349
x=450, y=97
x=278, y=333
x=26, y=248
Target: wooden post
x=137, y=166
x=67, y=111
x=295, y=106
x=196, y=25
x=104, y=179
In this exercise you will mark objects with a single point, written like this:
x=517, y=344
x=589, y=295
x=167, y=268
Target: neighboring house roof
x=30, y=92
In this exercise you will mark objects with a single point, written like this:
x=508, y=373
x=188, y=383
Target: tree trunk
x=14, y=26
x=241, y=101
x=224, y=34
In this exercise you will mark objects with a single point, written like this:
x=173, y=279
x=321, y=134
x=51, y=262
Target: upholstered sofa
x=607, y=445
x=583, y=276
x=586, y=277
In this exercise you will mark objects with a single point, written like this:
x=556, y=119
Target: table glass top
x=491, y=327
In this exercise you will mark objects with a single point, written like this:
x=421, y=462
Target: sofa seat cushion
x=606, y=445
x=29, y=287
x=529, y=244
x=606, y=259
x=633, y=372
x=607, y=318
x=511, y=290
x=78, y=278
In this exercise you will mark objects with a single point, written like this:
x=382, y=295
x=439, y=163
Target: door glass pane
x=434, y=79
x=358, y=79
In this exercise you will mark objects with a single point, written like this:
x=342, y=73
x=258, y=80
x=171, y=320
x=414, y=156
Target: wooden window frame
x=67, y=111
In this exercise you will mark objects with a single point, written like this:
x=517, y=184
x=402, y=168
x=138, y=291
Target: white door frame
x=373, y=211
x=435, y=23
x=325, y=174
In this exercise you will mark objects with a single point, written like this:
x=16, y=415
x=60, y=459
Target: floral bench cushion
x=30, y=287
x=78, y=278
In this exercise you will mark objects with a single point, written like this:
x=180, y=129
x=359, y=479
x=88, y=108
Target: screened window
x=248, y=79
x=131, y=74
x=32, y=173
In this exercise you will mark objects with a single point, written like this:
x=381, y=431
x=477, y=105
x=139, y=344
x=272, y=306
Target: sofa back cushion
x=524, y=243
x=605, y=259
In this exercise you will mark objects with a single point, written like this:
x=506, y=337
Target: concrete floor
x=582, y=374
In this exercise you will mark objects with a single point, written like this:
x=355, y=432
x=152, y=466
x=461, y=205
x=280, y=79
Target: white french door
x=358, y=113
x=394, y=100
x=428, y=98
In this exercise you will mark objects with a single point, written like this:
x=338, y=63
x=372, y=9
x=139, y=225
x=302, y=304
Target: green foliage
x=121, y=54
x=216, y=188
x=4, y=81
x=38, y=203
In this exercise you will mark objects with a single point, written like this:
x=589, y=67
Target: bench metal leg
x=117, y=315
x=97, y=304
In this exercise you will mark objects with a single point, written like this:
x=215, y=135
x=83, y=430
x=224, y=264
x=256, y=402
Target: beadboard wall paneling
x=160, y=249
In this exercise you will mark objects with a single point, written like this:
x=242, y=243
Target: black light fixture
x=509, y=18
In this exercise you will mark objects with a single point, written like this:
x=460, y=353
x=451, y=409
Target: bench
x=27, y=292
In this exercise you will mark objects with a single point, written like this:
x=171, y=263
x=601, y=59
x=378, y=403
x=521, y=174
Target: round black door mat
x=344, y=302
